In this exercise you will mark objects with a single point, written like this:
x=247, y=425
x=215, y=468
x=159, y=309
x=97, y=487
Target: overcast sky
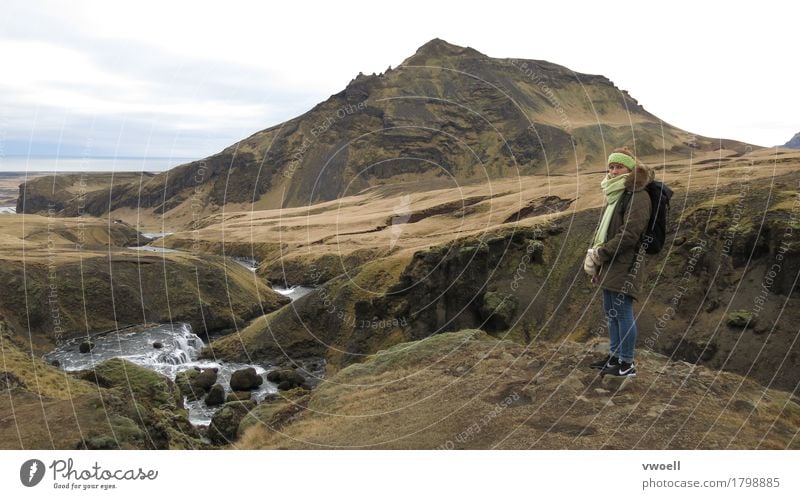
x=186, y=79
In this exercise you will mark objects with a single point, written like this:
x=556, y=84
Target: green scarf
x=612, y=189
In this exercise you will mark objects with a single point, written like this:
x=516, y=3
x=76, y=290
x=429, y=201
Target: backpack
x=656, y=232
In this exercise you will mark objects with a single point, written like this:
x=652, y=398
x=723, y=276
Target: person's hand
x=594, y=254
x=589, y=266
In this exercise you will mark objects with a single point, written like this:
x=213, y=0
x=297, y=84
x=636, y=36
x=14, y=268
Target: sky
x=186, y=79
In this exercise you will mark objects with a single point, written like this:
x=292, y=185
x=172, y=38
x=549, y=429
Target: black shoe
x=608, y=362
x=623, y=369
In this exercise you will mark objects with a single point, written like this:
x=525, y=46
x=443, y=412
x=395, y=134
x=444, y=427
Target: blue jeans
x=618, y=308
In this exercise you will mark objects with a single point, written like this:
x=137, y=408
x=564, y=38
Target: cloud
x=67, y=87
x=218, y=72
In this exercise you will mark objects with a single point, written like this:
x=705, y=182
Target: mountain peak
x=437, y=49
x=794, y=142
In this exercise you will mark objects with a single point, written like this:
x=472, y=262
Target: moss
x=429, y=349
x=272, y=412
x=151, y=388
x=740, y=318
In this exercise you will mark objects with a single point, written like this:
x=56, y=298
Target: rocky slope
x=447, y=113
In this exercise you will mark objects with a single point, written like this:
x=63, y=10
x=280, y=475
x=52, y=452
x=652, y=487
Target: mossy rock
x=143, y=385
x=428, y=350
x=274, y=410
x=216, y=396
x=245, y=379
x=225, y=422
x=195, y=383
x=498, y=310
x=286, y=379
x=740, y=318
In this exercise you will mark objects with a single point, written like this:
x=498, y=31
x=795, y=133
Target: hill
x=447, y=114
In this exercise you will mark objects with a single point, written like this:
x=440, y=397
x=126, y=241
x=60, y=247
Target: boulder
x=225, y=422
x=216, y=395
x=286, y=379
x=86, y=347
x=245, y=379
x=195, y=383
x=206, y=378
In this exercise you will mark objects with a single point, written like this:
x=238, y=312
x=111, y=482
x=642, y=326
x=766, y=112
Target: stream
x=179, y=351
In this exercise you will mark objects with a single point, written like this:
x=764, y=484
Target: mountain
x=794, y=142
x=447, y=115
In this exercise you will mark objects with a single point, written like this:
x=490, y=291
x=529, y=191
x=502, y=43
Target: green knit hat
x=623, y=159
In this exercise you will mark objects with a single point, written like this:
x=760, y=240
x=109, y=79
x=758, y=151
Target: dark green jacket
x=624, y=270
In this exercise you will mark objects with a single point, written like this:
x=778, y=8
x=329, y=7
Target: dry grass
x=39, y=377
x=465, y=390
x=360, y=222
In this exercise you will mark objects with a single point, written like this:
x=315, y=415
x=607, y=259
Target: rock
x=740, y=318
x=185, y=382
x=498, y=310
x=225, y=422
x=216, y=395
x=86, y=347
x=237, y=396
x=9, y=381
x=276, y=408
x=692, y=352
x=286, y=379
x=158, y=344
x=206, y=378
x=195, y=383
x=245, y=379
x=743, y=406
x=572, y=384
x=145, y=386
x=760, y=328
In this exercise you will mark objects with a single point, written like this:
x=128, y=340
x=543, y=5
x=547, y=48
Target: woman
x=615, y=259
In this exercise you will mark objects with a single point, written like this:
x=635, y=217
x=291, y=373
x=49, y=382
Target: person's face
x=616, y=169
